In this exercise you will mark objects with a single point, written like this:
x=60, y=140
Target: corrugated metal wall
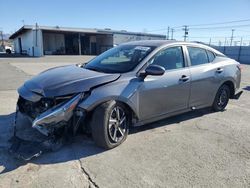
x=239, y=53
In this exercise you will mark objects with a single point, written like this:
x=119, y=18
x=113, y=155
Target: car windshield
x=120, y=59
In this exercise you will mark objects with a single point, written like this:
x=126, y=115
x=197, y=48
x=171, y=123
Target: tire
x=8, y=51
x=108, y=131
x=221, y=98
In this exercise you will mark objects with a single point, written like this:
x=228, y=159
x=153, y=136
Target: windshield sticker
x=142, y=48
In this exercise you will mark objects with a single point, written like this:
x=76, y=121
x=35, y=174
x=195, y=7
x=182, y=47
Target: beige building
x=37, y=40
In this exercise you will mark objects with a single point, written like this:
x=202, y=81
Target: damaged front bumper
x=53, y=124
x=56, y=117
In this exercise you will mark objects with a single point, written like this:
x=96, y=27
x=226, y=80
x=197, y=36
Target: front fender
x=123, y=91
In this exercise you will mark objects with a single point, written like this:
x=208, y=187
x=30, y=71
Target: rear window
x=198, y=56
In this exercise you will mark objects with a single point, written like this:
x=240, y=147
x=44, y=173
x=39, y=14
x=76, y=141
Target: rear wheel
x=110, y=123
x=221, y=98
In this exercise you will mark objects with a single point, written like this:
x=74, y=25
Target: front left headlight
x=59, y=113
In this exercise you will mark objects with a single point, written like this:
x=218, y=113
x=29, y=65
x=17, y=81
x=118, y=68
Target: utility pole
x=36, y=34
x=1, y=32
x=185, y=28
x=239, y=54
x=224, y=50
x=172, y=34
x=232, y=37
x=168, y=33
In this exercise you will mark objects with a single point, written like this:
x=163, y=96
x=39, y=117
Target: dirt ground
x=196, y=149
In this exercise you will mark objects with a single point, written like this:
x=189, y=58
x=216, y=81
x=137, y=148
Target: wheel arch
x=231, y=86
x=127, y=103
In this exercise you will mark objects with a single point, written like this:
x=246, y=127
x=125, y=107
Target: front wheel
x=110, y=123
x=221, y=98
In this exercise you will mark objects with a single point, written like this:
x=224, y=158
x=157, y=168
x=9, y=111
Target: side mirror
x=154, y=70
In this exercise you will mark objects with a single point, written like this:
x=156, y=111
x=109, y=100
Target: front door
x=159, y=95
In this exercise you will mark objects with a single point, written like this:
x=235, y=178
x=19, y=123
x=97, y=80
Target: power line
x=218, y=36
x=220, y=23
x=244, y=30
x=216, y=23
x=221, y=27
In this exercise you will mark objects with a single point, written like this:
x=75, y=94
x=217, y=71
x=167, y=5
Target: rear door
x=205, y=76
x=168, y=93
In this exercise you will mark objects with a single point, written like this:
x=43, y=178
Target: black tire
x=102, y=124
x=8, y=51
x=221, y=98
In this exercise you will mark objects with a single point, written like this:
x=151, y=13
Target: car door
x=205, y=76
x=159, y=95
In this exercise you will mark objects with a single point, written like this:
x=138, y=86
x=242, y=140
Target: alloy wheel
x=117, y=124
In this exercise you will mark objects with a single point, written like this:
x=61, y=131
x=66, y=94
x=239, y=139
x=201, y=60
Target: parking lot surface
x=195, y=149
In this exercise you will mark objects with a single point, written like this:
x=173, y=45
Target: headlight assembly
x=59, y=113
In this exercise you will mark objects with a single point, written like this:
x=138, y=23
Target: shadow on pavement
x=77, y=148
x=247, y=88
x=171, y=120
x=4, y=55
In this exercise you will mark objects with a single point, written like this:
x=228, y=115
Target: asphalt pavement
x=195, y=149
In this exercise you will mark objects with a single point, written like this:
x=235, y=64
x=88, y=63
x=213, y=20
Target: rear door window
x=198, y=56
x=211, y=56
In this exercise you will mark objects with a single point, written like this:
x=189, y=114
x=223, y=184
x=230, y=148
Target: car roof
x=155, y=43
x=158, y=43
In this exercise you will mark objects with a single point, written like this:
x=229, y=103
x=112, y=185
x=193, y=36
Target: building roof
x=79, y=30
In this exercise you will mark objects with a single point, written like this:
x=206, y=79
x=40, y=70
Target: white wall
x=16, y=46
x=28, y=41
x=38, y=46
x=121, y=38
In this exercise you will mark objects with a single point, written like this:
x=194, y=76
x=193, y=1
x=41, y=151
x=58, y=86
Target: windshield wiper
x=93, y=69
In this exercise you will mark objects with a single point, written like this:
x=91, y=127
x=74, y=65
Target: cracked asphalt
x=195, y=149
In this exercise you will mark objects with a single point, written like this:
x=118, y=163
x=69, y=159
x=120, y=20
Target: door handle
x=184, y=78
x=219, y=70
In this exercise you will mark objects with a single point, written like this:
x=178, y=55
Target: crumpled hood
x=65, y=80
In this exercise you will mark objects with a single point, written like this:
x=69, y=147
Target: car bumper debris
x=54, y=125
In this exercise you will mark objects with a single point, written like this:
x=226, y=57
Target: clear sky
x=131, y=15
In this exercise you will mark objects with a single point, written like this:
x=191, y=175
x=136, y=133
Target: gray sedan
x=129, y=85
